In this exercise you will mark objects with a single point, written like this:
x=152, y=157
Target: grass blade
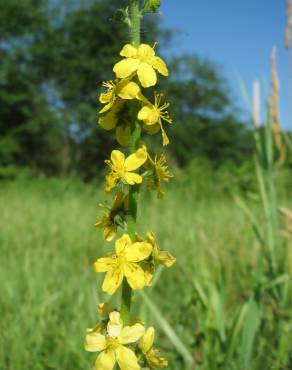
x=165, y=326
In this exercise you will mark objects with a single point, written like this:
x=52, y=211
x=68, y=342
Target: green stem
x=135, y=22
x=134, y=145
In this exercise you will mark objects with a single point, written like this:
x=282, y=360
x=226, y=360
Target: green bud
x=151, y=6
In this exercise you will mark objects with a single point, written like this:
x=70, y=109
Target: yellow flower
x=125, y=263
x=140, y=60
x=152, y=116
x=160, y=174
x=150, y=353
x=112, y=344
x=110, y=120
x=123, y=89
x=114, y=216
x=122, y=168
x=158, y=255
x=117, y=118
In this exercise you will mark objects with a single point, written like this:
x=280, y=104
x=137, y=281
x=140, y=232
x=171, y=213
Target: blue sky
x=238, y=35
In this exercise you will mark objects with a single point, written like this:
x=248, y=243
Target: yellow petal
x=106, y=360
x=129, y=90
x=136, y=160
x=118, y=159
x=108, y=121
x=115, y=324
x=154, y=360
x=138, y=251
x=129, y=51
x=151, y=238
x=126, y=359
x=165, y=140
x=147, y=341
x=110, y=182
x=160, y=65
x=102, y=222
x=145, y=51
x=112, y=281
x=149, y=115
x=146, y=75
x=165, y=258
x=126, y=67
x=94, y=342
x=131, y=334
x=122, y=243
x=123, y=133
x=135, y=276
x=132, y=178
x=153, y=129
x=104, y=264
x=109, y=232
x=106, y=97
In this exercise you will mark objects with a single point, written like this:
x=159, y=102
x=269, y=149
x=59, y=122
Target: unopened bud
x=151, y=6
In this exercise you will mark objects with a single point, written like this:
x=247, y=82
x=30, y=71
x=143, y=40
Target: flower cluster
x=126, y=345
x=140, y=64
x=134, y=259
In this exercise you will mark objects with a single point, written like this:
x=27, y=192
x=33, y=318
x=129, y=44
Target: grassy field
x=204, y=308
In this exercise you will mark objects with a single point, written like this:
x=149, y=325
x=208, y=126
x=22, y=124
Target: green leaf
x=249, y=332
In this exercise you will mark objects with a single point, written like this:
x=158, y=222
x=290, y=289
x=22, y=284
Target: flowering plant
x=132, y=263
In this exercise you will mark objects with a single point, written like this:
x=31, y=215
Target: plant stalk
x=135, y=15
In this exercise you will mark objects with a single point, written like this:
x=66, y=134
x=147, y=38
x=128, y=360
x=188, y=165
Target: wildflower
x=125, y=263
x=117, y=118
x=152, y=116
x=160, y=174
x=110, y=120
x=123, y=133
x=121, y=168
x=140, y=60
x=112, y=344
x=114, y=216
x=159, y=256
x=150, y=353
x=123, y=89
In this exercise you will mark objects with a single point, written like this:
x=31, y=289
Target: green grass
x=203, y=307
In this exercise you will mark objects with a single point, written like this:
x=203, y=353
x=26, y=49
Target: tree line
x=54, y=56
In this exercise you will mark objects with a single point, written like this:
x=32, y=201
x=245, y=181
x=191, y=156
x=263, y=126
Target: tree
x=28, y=129
x=52, y=64
x=206, y=123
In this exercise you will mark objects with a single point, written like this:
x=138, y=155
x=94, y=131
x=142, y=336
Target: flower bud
x=151, y=6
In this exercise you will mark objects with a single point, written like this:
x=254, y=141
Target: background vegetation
x=227, y=302
x=53, y=60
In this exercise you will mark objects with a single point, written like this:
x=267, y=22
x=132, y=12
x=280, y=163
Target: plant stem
x=135, y=22
x=134, y=145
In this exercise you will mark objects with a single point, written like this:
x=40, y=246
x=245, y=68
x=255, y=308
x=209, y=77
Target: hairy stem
x=134, y=145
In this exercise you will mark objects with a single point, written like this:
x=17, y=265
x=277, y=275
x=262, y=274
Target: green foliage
x=43, y=316
x=28, y=127
x=54, y=57
x=206, y=123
